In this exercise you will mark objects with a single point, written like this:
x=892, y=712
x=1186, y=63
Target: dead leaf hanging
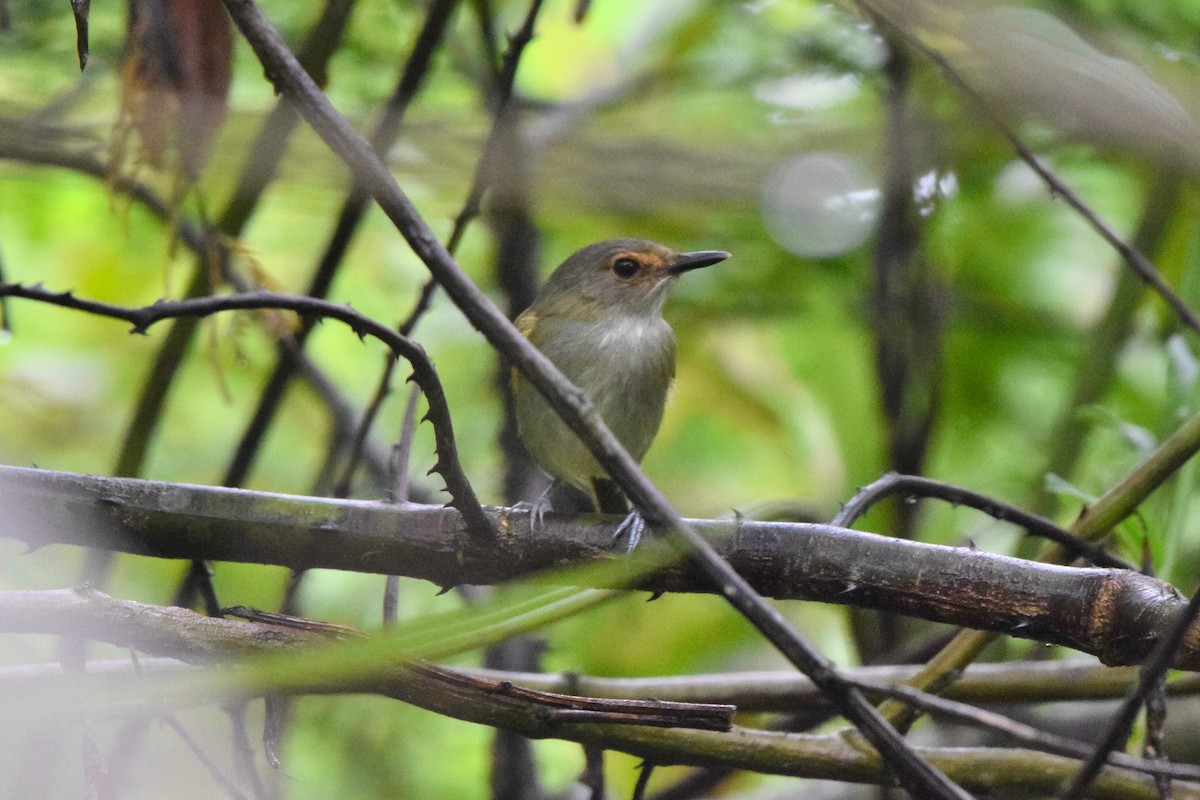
x=178, y=64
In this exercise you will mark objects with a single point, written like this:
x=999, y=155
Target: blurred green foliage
x=673, y=114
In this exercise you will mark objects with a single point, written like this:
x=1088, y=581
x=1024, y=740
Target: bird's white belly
x=625, y=369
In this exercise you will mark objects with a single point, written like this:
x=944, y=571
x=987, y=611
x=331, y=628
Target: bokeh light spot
x=820, y=204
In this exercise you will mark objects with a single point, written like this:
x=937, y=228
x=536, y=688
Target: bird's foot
x=633, y=526
x=537, y=512
x=538, y=508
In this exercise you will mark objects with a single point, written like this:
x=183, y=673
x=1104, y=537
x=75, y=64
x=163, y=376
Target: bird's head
x=619, y=276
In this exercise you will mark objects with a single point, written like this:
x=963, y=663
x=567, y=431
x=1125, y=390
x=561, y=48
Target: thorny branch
x=462, y=495
x=892, y=484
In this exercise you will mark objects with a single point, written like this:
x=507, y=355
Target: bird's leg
x=610, y=499
x=633, y=526
x=539, y=507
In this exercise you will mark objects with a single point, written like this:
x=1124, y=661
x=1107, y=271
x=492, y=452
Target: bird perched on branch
x=599, y=319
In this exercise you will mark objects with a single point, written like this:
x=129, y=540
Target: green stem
x=1123, y=499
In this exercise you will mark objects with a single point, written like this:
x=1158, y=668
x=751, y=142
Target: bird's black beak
x=701, y=258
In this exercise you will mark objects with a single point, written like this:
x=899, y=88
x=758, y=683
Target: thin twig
x=1155, y=746
x=1020, y=732
x=402, y=451
x=645, y=770
x=893, y=484
x=227, y=785
x=401, y=456
x=485, y=17
x=243, y=751
x=383, y=387
x=504, y=88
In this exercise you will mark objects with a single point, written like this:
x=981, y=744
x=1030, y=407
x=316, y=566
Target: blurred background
x=904, y=294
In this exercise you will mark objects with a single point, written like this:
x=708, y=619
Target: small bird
x=599, y=319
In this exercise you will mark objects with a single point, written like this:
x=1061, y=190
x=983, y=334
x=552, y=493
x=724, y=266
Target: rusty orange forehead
x=655, y=256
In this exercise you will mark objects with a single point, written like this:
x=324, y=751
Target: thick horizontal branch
x=1116, y=615
x=478, y=699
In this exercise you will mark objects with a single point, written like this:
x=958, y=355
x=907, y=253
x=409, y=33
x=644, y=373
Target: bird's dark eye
x=625, y=267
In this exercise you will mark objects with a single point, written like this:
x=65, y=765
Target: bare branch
x=188, y=636
x=1007, y=683
x=1025, y=734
